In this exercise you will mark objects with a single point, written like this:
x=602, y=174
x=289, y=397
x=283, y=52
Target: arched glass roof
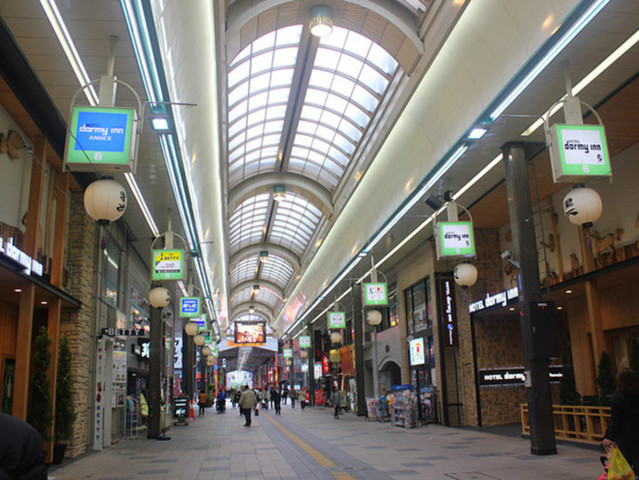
x=296, y=105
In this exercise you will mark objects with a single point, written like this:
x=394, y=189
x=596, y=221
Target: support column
x=23, y=353
x=542, y=433
x=592, y=299
x=311, y=368
x=155, y=372
x=356, y=294
x=53, y=326
x=187, y=364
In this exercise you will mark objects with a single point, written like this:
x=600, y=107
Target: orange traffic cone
x=192, y=412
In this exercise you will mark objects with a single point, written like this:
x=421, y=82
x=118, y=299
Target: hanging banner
x=578, y=152
x=190, y=306
x=168, y=265
x=336, y=320
x=448, y=307
x=100, y=139
x=375, y=294
x=305, y=341
x=287, y=353
x=455, y=239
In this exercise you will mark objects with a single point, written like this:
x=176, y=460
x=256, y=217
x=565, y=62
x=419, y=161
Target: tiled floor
x=313, y=445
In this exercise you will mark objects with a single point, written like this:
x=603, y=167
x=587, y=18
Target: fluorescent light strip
x=142, y=204
x=587, y=80
x=139, y=46
x=182, y=288
x=565, y=39
x=493, y=163
x=60, y=29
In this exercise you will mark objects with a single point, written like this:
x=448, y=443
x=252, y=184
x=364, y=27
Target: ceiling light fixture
x=561, y=43
x=279, y=193
x=321, y=23
x=161, y=124
x=133, y=185
x=476, y=133
x=263, y=256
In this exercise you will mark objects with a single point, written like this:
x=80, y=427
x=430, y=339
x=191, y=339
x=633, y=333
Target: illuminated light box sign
x=336, y=320
x=190, y=306
x=455, y=239
x=201, y=321
x=100, y=139
x=253, y=333
x=578, y=152
x=207, y=335
x=514, y=376
x=449, y=312
x=305, y=341
x=288, y=353
x=501, y=298
x=417, y=356
x=375, y=294
x=317, y=370
x=168, y=265
x=10, y=251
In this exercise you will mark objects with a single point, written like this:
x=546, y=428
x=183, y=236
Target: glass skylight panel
x=244, y=270
x=267, y=297
x=247, y=222
x=240, y=297
x=277, y=270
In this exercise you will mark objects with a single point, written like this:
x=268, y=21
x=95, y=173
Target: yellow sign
x=168, y=265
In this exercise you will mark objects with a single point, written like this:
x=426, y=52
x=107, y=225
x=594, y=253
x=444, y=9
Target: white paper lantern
x=105, y=201
x=304, y=354
x=159, y=297
x=465, y=275
x=210, y=361
x=374, y=317
x=199, y=340
x=191, y=328
x=206, y=350
x=582, y=206
x=336, y=337
x=289, y=362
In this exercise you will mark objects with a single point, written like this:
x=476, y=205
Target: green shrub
x=39, y=413
x=605, y=380
x=64, y=412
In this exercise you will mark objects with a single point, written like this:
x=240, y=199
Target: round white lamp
x=336, y=337
x=206, y=350
x=159, y=297
x=582, y=206
x=199, y=340
x=105, y=200
x=304, y=354
x=210, y=361
x=289, y=362
x=191, y=328
x=374, y=317
x=465, y=274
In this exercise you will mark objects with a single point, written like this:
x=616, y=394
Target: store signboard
x=288, y=353
x=501, y=298
x=168, y=265
x=578, y=152
x=326, y=364
x=417, y=355
x=100, y=139
x=201, y=320
x=208, y=338
x=317, y=370
x=305, y=341
x=375, y=294
x=190, y=306
x=336, y=320
x=448, y=308
x=455, y=239
x=30, y=265
x=514, y=376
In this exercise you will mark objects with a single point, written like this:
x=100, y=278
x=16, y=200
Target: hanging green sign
x=100, y=139
x=190, y=306
x=168, y=265
x=336, y=320
x=455, y=239
x=288, y=353
x=578, y=152
x=305, y=341
x=375, y=294
x=207, y=335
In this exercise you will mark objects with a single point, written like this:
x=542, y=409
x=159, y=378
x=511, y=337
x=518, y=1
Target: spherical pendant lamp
x=374, y=317
x=191, y=328
x=199, y=340
x=206, y=350
x=336, y=337
x=105, y=200
x=159, y=297
x=465, y=274
x=304, y=354
x=582, y=206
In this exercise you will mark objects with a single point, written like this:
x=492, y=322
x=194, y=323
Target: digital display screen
x=250, y=332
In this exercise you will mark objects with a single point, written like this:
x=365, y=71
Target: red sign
x=319, y=397
x=326, y=364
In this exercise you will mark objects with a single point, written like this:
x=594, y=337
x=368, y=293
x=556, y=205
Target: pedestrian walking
x=284, y=394
x=247, y=402
x=21, y=455
x=293, y=395
x=336, y=399
x=201, y=402
x=276, y=398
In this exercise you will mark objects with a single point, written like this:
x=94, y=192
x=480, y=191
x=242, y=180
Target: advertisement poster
x=375, y=294
x=168, y=265
x=336, y=320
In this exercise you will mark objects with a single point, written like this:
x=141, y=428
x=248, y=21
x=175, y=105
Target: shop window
x=418, y=306
x=393, y=310
x=139, y=313
x=111, y=272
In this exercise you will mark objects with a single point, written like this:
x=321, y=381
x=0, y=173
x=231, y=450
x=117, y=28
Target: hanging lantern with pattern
x=105, y=201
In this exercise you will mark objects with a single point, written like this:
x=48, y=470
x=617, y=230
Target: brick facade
x=78, y=325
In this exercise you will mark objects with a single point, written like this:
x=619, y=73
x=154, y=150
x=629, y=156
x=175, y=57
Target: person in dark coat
x=623, y=429
x=276, y=398
x=21, y=455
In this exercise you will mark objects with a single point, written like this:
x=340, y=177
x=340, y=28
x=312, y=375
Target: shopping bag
x=257, y=412
x=619, y=468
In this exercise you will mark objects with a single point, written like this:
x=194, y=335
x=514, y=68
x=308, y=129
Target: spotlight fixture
x=161, y=124
x=256, y=288
x=433, y=202
x=263, y=256
x=251, y=308
x=279, y=193
x=321, y=23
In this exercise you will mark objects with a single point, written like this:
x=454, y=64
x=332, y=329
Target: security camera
x=506, y=254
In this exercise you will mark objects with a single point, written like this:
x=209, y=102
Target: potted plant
x=64, y=412
x=605, y=380
x=39, y=413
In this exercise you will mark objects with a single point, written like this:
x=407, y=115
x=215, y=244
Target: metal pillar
x=188, y=353
x=356, y=292
x=542, y=433
x=311, y=368
x=155, y=372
